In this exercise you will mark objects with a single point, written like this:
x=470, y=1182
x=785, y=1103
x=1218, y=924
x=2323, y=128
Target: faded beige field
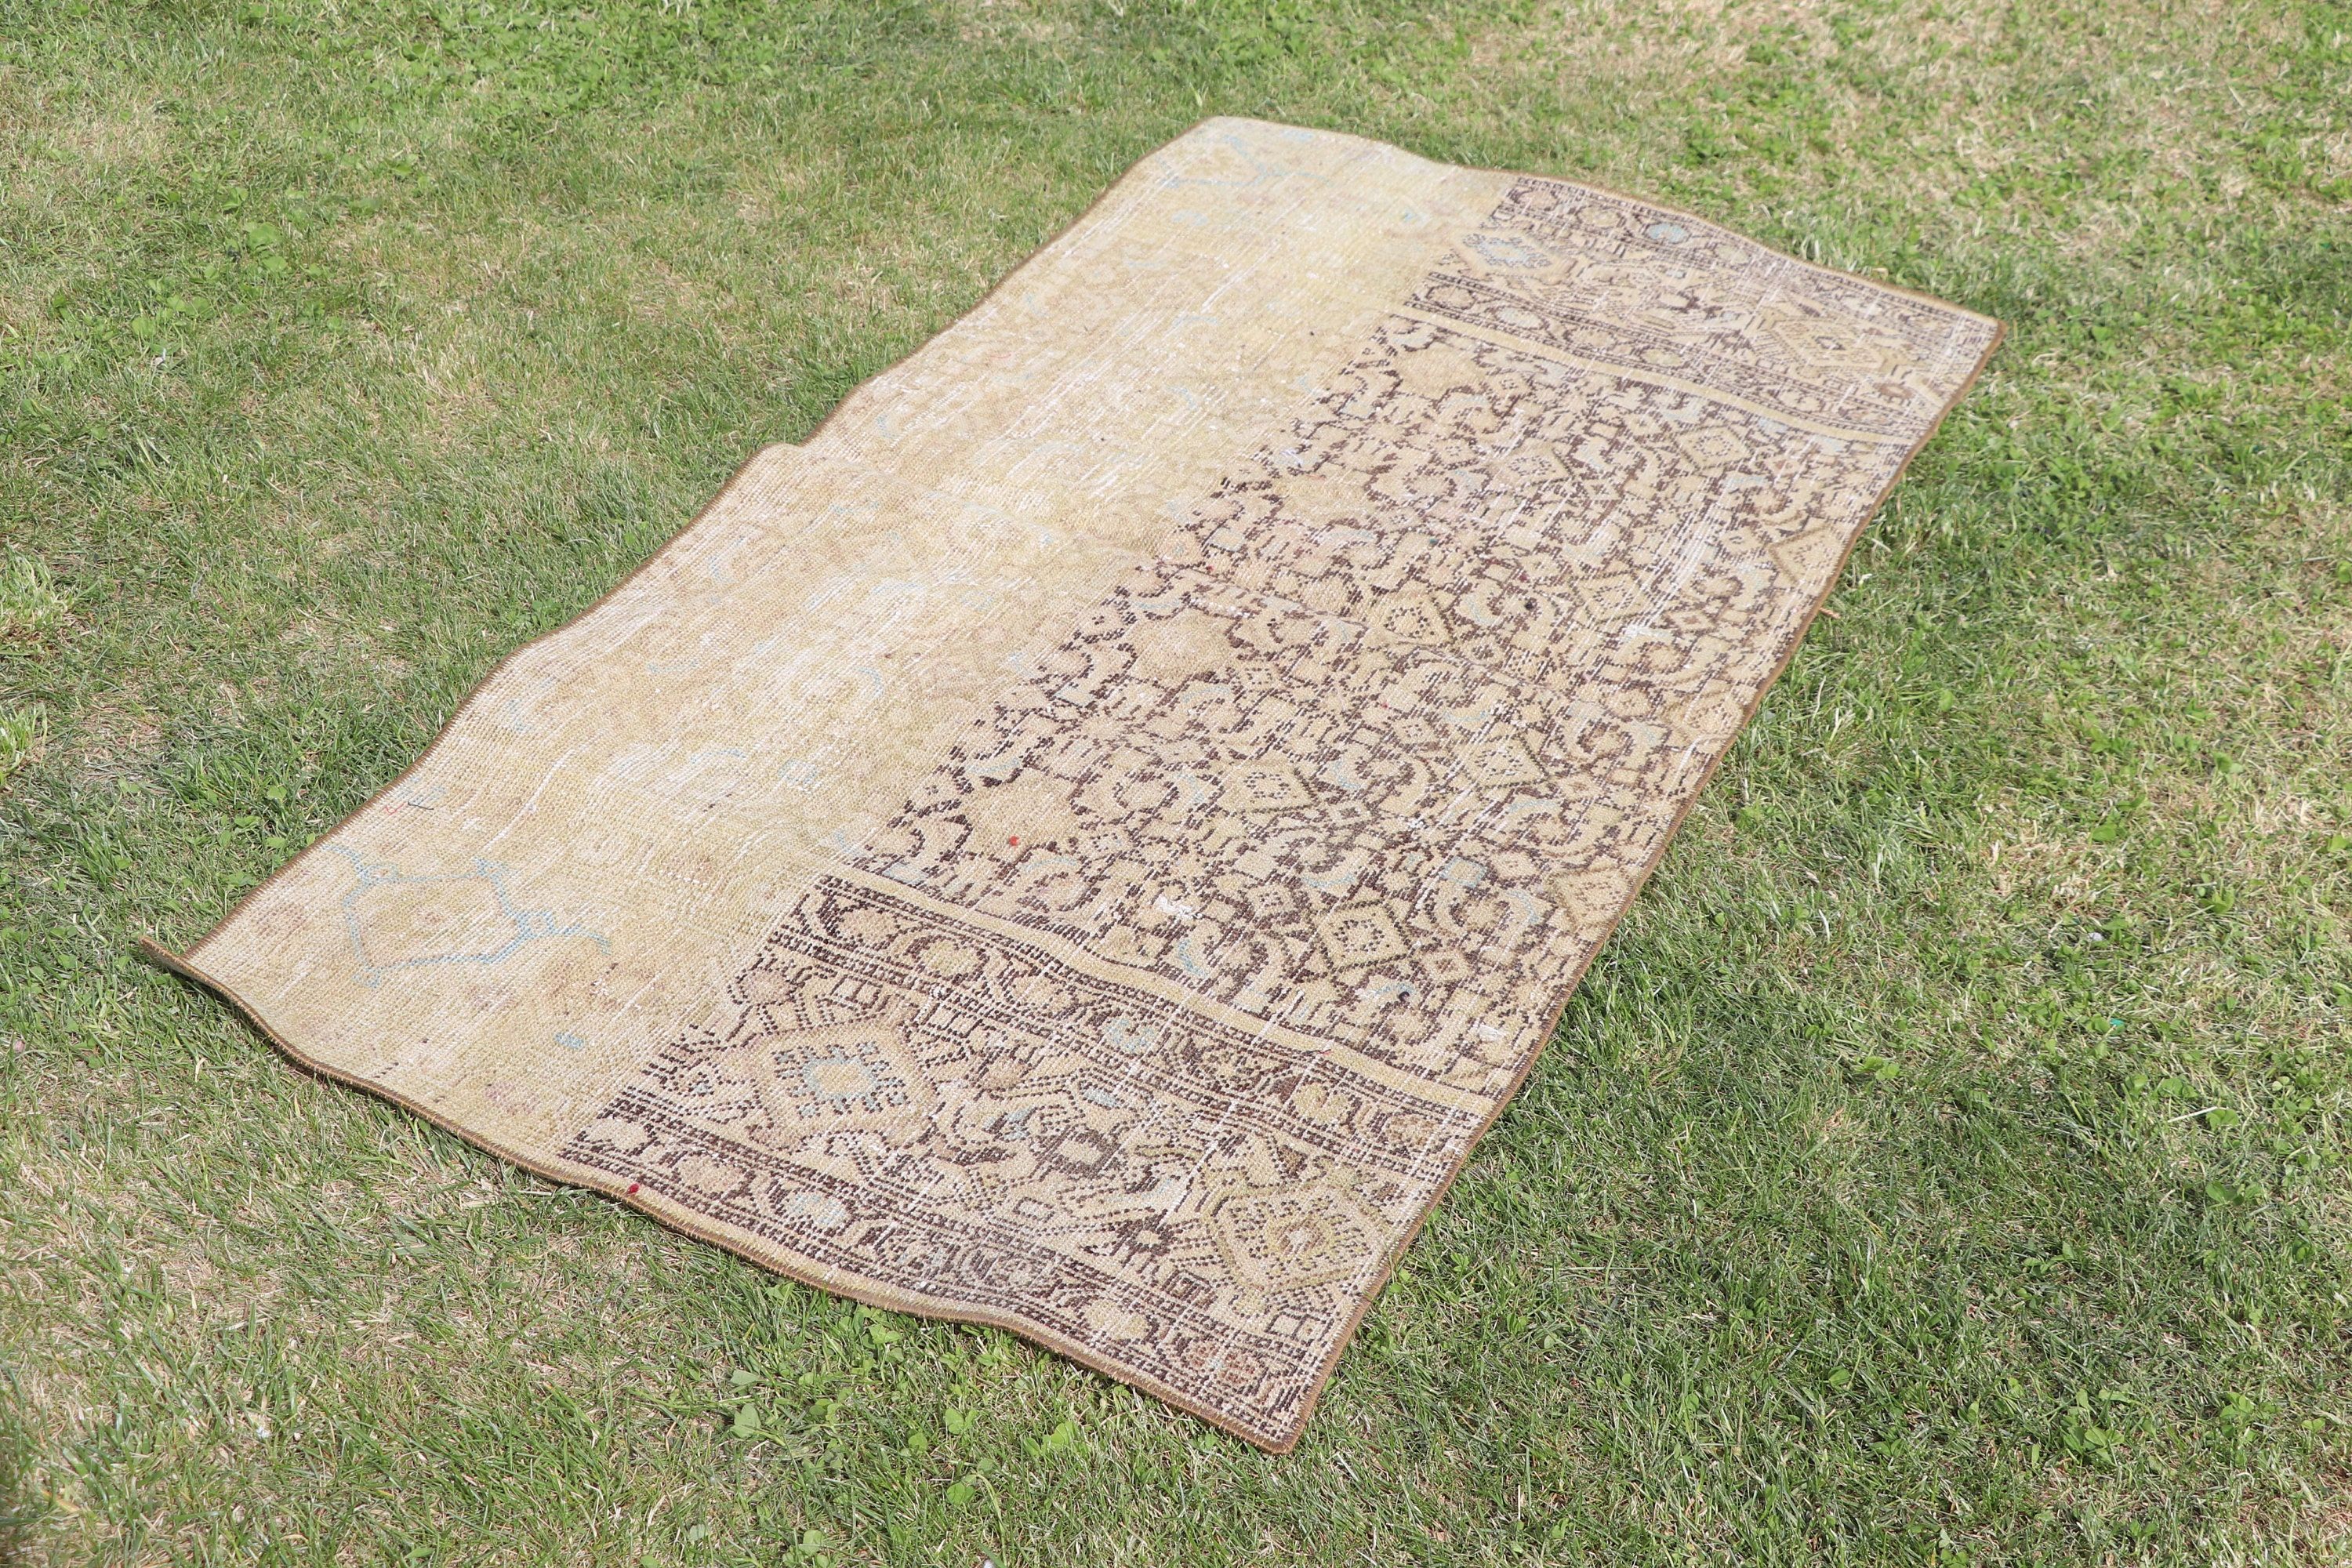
x=1089, y=842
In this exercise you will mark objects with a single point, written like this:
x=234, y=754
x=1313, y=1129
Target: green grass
x=1946, y=1162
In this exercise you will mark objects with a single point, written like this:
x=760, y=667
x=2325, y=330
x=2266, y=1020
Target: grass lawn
x=1946, y=1162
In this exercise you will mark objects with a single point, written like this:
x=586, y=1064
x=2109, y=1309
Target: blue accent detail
x=1129, y=1036
x=529, y=925
x=869, y=1079
x=1508, y=250
x=1463, y=873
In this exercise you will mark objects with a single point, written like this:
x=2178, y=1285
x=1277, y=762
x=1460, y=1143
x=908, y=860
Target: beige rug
x=1088, y=843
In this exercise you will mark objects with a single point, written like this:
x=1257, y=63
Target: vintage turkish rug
x=1089, y=842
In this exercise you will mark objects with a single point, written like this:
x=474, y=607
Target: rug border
x=184, y=964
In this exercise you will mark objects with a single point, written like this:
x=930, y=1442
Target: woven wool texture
x=1089, y=842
